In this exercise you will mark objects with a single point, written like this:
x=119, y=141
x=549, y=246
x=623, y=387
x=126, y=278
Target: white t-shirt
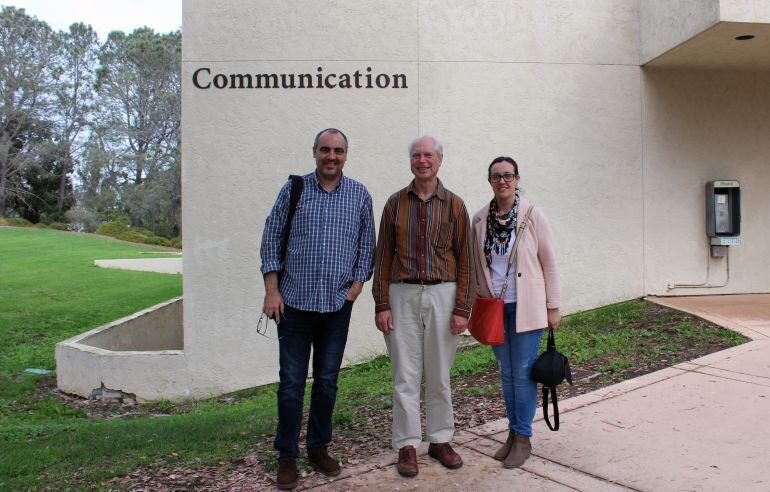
x=497, y=272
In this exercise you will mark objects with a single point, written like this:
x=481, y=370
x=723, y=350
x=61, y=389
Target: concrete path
x=158, y=265
x=699, y=425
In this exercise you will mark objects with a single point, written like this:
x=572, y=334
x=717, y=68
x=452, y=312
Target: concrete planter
x=141, y=356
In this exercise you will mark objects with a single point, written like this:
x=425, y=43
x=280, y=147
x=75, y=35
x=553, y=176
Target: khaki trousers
x=421, y=338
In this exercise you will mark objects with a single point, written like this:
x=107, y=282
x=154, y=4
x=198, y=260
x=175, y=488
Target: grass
x=50, y=291
x=492, y=389
x=616, y=335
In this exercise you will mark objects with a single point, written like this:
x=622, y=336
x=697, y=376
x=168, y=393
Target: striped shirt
x=424, y=241
x=331, y=243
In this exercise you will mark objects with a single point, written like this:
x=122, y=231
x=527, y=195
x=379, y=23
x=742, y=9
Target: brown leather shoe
x=324, y=463
x=288, y=476
x=407, y=461
x=501, y=453
x=519, y=452
x=443, y=452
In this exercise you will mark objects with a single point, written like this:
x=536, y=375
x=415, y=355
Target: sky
x=105, y=16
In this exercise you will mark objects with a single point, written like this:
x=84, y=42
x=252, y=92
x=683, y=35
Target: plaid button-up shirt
x=425, y=240
x=331, y=243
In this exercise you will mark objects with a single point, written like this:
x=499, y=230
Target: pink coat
x=537, y=278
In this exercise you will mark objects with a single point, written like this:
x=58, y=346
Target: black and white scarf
x=499, y=229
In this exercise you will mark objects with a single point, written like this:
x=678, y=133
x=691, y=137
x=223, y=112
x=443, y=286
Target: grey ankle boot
x=520, y=451
x=505, y=448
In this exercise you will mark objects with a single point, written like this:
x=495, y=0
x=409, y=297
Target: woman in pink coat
x=531, y=297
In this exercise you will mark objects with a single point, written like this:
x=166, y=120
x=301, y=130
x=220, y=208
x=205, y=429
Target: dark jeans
x=327, y=334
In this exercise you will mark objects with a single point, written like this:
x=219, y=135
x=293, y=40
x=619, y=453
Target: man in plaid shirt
x=329, y=257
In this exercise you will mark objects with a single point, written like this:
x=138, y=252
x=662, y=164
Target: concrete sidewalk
x=699, y=425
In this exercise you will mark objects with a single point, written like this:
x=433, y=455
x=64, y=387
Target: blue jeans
x=327, y=334
x=515, y=357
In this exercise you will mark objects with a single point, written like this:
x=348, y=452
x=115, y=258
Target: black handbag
x=550, y=369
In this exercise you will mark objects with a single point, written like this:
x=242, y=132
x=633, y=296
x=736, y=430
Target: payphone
x=723, y=215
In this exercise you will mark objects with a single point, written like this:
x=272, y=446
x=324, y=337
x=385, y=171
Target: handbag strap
x=512, y=258
x=551, y=343
x=552, y=389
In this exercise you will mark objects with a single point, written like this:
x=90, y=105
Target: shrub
x=142, y=231
x=139, y=236
x=59, y=226
x=15, y=222
x=82, y=219
x=112, y=229
x=176, y=242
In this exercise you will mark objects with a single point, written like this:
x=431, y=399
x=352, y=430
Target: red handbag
x=487, y=324
x=487, y=320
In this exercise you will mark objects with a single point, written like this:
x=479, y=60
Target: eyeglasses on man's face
x=507, y=177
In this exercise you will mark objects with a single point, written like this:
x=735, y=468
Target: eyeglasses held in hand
x=262, y=325
x=507, y=177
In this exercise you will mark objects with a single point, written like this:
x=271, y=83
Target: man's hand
x=554, y=318
x=458, y=324
x=384, y=321
x=273, y=304
x=354, y=291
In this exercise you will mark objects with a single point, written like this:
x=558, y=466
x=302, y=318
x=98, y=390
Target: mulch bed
x=477, y=400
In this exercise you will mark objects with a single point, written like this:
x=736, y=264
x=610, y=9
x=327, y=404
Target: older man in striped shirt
x=423, y=292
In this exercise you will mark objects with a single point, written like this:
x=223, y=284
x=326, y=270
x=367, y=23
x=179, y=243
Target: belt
x=421, y=282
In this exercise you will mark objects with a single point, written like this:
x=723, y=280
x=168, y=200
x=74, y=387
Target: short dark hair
x=329, y=130
x=503, y=158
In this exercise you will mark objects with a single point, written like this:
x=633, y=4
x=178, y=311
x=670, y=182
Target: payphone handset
x=722, y=213
x=723, y=210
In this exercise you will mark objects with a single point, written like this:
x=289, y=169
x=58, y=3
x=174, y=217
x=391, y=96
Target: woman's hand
x=554, y=318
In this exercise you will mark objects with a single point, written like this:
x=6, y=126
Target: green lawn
x=50, y=290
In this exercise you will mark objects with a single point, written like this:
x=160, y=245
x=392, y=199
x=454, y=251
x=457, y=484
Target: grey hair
x=437, y=147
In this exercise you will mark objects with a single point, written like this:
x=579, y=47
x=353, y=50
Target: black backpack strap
x=555, y=408
x=297, y=185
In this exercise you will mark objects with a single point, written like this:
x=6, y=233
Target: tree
x=139, y=87
x=27, y=51
x=73, y=91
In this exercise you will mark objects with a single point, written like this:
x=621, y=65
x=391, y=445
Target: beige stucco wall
x=555, y=85
x=701, y=126
x=744, y=10
x=667, y=23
